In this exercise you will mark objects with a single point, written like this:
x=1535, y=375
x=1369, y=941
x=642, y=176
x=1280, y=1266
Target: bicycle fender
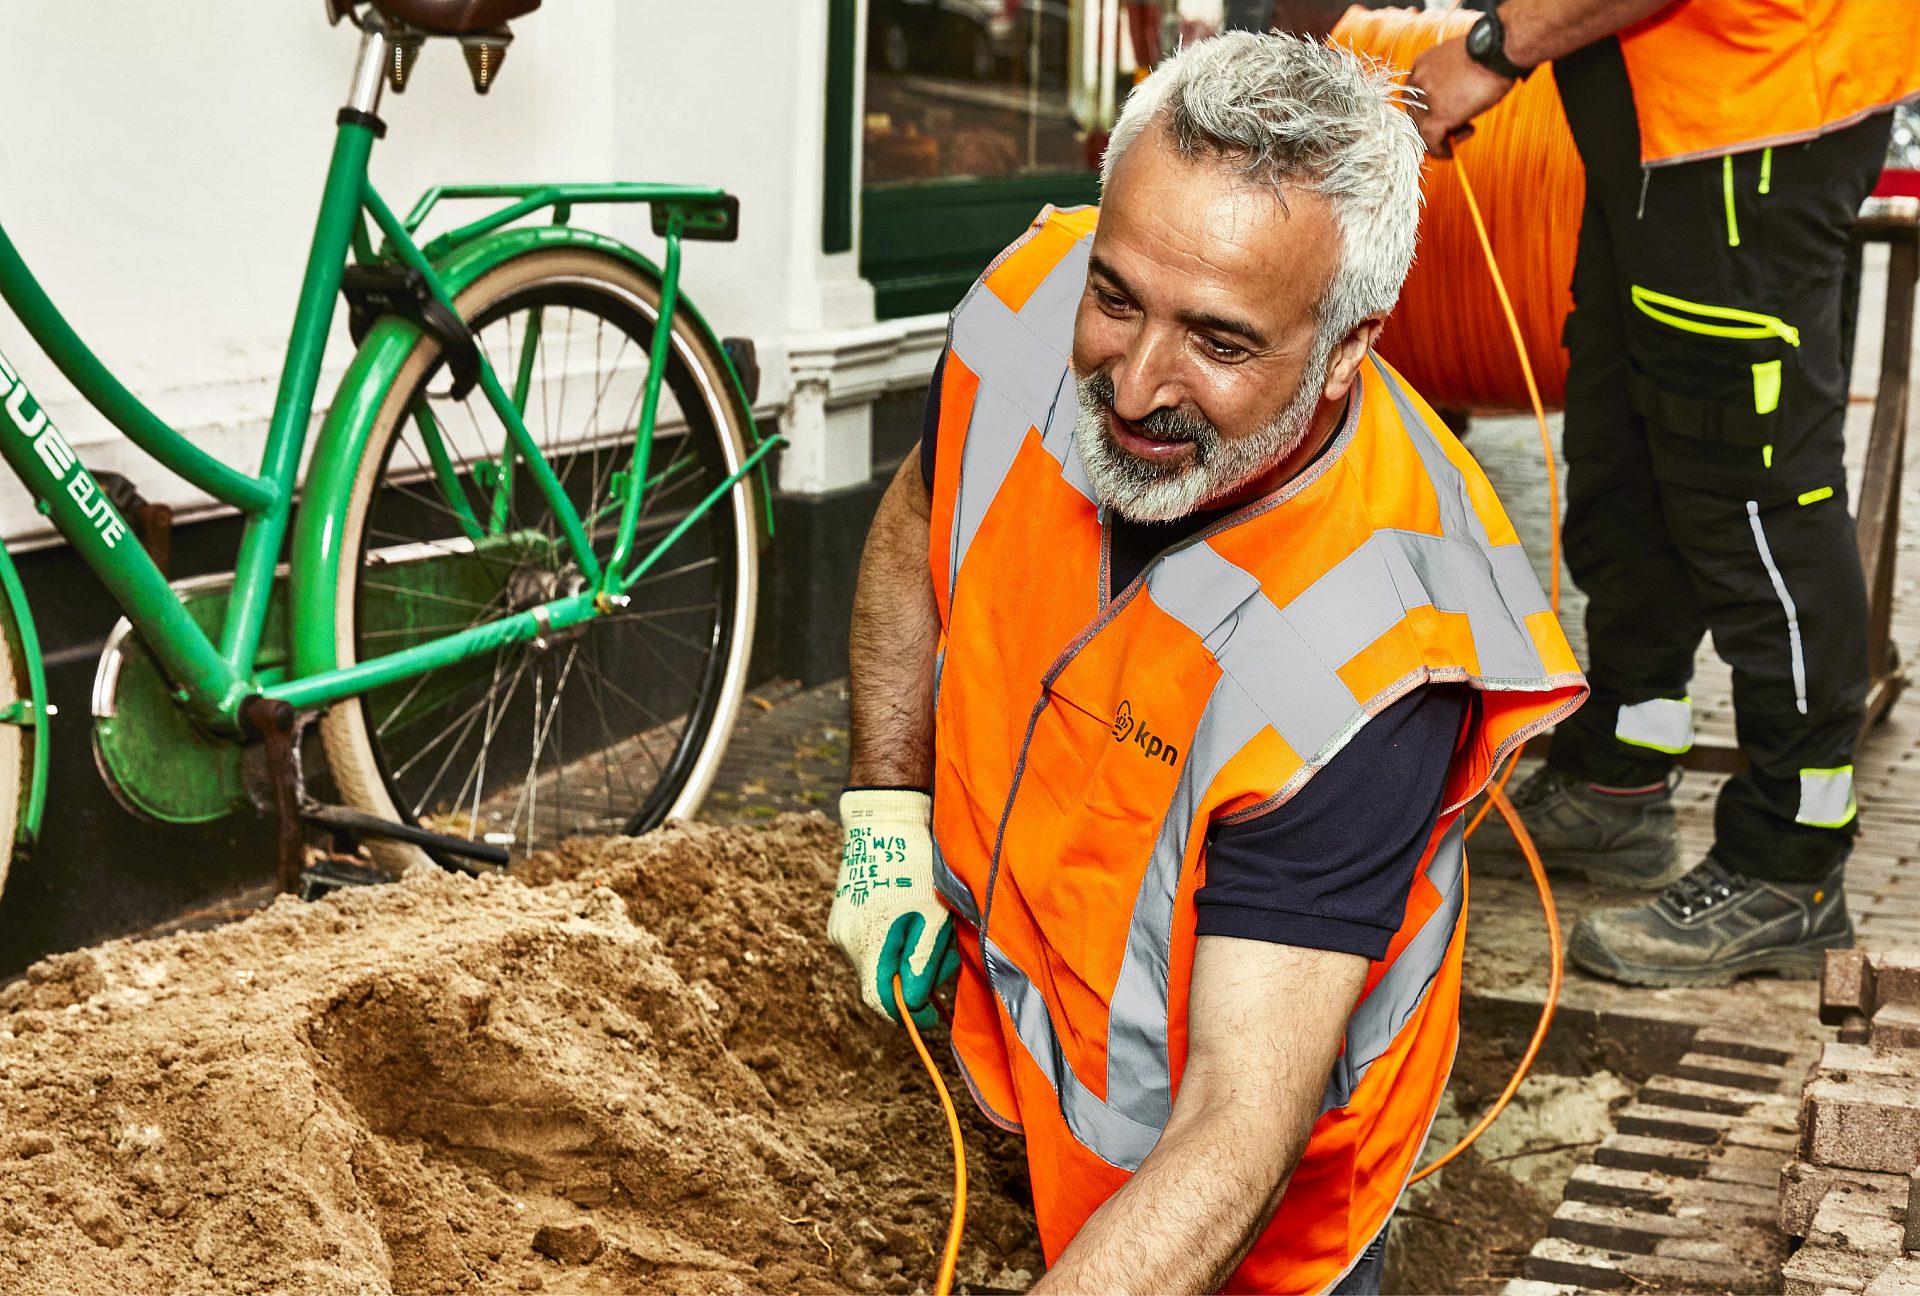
x=320, y=522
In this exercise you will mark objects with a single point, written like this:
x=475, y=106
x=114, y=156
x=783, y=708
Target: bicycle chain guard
x=155, y=760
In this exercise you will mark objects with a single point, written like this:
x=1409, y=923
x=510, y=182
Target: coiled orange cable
x=1446, y=335
x=1497, y=794
x=951, y=1257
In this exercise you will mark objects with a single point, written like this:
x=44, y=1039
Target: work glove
x=887, y=918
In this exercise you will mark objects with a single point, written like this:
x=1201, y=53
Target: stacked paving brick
x=1681, y=1196
x=1854, y=1192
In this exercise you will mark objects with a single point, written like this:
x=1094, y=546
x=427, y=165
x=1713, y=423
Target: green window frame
x=921, y=245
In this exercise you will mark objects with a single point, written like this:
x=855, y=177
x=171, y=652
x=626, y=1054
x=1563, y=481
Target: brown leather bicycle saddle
x=456, y=17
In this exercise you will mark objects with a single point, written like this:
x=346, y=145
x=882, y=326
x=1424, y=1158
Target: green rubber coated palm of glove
x=917, y=989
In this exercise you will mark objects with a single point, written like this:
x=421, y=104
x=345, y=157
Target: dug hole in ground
x=636, y=1066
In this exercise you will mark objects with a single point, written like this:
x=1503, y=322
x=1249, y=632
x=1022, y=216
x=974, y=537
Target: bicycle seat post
x=370, y=74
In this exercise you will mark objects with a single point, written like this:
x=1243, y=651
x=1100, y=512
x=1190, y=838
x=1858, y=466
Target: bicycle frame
x=214, y=679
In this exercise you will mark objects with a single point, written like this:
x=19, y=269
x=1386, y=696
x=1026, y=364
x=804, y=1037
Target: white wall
x=161, y=165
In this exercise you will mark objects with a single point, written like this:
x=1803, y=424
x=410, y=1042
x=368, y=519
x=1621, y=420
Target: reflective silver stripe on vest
x=1463, y=570
x=1381, y=1016
x=1104, y=1130
x=1138, y=1076
x=1257, y=644
x=1124, y=1128
x=1023, y=363
x=951, y=888
x=1057, y=438
x=984, y=463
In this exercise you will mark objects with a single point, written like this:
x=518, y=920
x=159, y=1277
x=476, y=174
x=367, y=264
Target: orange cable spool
x=1448, y=336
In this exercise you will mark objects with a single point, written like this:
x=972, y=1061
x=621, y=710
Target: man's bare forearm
x=1246, y=1107
x=896, y=632
x=1188, y=1218
x=1540, y=30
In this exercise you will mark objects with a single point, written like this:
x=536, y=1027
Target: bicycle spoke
x=655, y=577
x=494, y=721
x=438, y=506
x=453, y=746
x=432, y=596
x=453, y=749
x=694, y=644
x=530, y=789
x=594, y=679
x=543, y=725
x=650, y=613
x=469, y=716
x=381, y=729
x=566, y=358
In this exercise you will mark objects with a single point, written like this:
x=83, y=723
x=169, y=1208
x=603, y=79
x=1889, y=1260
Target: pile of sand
x=650, y=1073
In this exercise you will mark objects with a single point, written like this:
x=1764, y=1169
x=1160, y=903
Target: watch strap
x=1491, y=53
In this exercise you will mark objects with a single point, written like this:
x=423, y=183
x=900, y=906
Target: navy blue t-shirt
x=1331, y=867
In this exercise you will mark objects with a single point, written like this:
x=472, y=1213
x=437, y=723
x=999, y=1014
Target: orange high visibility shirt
x=1726, y=76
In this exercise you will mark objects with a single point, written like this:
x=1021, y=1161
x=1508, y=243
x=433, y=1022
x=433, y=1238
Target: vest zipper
x=1060, y=664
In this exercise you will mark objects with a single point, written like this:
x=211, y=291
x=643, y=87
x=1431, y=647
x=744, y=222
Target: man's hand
x=887, y=918
x=1454, y=91
x=1538, y=31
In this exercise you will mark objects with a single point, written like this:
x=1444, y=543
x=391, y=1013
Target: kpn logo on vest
x=1127, y=729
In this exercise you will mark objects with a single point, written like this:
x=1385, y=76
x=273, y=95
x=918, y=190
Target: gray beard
x=1142, y=490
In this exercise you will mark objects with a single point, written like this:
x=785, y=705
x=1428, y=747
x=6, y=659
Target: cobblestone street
x=789, y=753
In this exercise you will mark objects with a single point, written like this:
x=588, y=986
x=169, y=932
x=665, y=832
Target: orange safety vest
x=1084, y=743
x=1725, y=76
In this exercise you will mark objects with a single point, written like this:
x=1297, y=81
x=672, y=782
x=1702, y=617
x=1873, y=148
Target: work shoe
x=1623, y=839
x=1714, y=925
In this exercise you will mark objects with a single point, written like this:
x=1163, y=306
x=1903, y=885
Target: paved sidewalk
x=789, y=752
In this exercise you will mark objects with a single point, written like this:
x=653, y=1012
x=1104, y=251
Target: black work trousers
x=1705, y=492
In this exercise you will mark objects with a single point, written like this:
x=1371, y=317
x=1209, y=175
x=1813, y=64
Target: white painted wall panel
x=160, y=166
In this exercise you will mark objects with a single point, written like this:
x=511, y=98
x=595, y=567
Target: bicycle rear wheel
x=615, y=725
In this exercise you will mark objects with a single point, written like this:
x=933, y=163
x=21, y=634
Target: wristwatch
x=1487, y=46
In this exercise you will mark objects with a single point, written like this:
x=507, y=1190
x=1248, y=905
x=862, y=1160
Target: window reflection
x=994, y=88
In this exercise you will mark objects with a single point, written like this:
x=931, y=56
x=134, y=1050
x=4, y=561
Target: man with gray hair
x=1174, y=660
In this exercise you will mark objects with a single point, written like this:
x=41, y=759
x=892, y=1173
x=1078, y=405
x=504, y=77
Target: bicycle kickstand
x=279, y=734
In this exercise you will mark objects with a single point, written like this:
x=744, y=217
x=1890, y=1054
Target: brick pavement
x=789, y=752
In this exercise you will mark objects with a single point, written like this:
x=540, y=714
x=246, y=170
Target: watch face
x=1480, y=39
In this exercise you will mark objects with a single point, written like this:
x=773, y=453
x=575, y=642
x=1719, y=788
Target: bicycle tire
x=16, y=743
x=367, y=763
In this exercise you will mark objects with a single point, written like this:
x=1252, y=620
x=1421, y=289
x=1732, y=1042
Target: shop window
x=974, y=89
x=978, y=113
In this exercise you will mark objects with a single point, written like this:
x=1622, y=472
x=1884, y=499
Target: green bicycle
x=522, y=568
